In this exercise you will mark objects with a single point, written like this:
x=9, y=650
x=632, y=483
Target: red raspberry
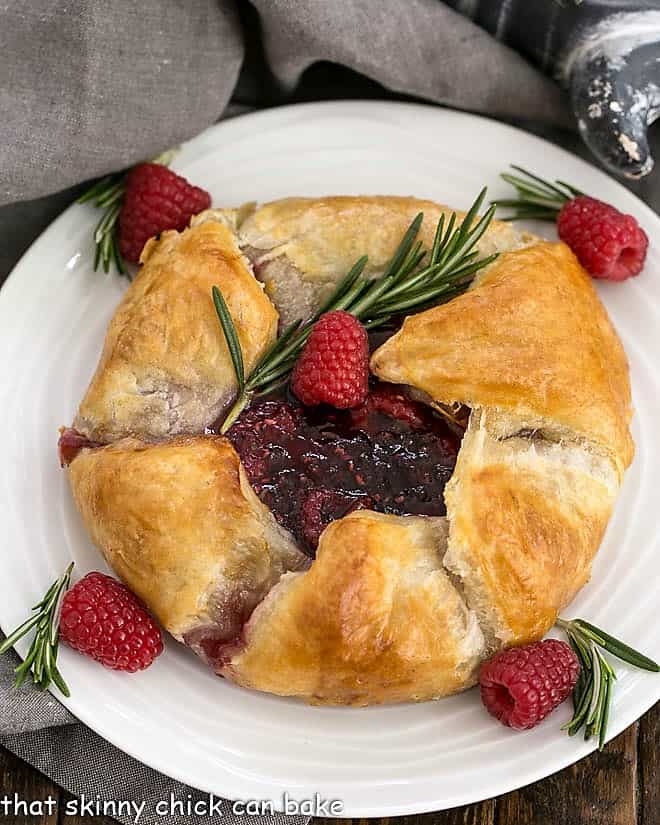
x=390, y=400
x=103, y=619
x=607, y=243
x=522, y=685
x=333, y=367
x=156, y=199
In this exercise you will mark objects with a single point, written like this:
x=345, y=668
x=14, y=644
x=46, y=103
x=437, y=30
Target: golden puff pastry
x=393, y=608
x=165, y=369
x=531, y=351
x=375, y=619
x=532, y=340
x=526, y=517
x=301, y=247
x=180, y=524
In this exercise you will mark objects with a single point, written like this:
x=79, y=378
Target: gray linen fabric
x=419, y=47
x=98, y=777
x=89, y=87
x=26, y=709
x=37, y=728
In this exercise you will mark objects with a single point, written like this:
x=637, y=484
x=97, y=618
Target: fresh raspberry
x=607, y=243
x=103, y=619
x=156, y=199
x=333, y=367
x=522, y=685
x=391, y=400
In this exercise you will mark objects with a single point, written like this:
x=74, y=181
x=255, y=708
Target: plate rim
x=625, y=716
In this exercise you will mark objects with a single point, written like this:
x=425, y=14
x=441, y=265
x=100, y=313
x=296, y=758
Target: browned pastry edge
x=301, y=247
x=375, y=619
x=181, y=525
x=165, y=369
x=530, y=341
x=396, y=608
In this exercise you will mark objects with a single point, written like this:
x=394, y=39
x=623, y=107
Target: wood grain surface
x=620, y=786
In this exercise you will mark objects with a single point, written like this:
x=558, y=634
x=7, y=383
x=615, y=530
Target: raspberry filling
x=311, y=466
x=70, y=443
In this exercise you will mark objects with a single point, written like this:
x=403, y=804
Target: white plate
x=177, y=716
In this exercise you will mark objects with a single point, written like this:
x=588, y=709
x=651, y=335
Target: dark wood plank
x=598, y=790
x=649, y=767
x=482, y=813
x=27, y=797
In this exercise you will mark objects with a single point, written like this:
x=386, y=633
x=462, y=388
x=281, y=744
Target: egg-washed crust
x=165, y=369
x=375, y=619
x=394, y=608
x=302, y=247
x=181, y=525
x=531, y=340
x=323, y=237
x=526, y=517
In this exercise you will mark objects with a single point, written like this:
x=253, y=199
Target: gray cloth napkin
x=89, y=87
x=39, y=730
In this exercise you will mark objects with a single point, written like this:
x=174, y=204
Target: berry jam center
x=310, y=466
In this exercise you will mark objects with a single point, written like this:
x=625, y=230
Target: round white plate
x=177, y=716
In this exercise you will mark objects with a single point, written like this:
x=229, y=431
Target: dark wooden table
x=620, y=786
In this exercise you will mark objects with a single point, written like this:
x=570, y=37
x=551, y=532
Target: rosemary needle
x=414, y=279
x=592, y=694
x=41, y=658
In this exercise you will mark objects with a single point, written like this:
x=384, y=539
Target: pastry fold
x=526, y=516
x=165, y=369
x=376, y=619
x=302, y=247
x=394, y=608
x=180, y=524
x=532, y=341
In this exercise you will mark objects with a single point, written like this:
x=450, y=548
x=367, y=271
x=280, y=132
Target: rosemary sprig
x=231, y=336
x=41, y=659
x=108, y=195
x=414, y=279
x=538, y=199
x=592, y=695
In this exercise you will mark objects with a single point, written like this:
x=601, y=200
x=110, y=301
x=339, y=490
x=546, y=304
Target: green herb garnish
x=538, y=199
x=415, y=279
x=592, y=695
x=41, y=659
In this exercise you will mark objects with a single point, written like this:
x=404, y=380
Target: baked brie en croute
x=369, y=556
